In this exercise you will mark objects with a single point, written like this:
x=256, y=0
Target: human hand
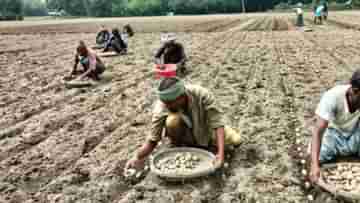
x=135, y=163
x=82, y=77
x=219, y=161
x=314, y=173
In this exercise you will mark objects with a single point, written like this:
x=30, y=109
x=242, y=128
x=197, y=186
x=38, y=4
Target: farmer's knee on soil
x=232, y=137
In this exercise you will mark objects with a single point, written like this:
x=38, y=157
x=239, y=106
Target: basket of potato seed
x=182, y=163
x=342, y=179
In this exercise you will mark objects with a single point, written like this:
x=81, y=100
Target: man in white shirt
x=337, y=131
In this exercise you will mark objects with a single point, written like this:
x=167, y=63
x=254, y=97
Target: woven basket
x=332, y=188
x=204, y=168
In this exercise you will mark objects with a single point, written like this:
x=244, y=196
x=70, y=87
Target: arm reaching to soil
x=75, y=64
x=216, y=122
x=318, y=132
x=220, y=143
x=138, y=160
x=157, y=125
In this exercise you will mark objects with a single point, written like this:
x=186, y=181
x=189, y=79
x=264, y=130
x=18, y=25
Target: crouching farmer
x=171, y=52
x=189, y=117
x=93, y=67
x=337, y=132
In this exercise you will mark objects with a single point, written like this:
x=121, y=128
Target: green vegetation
x=308, y=5
x=35, y=8
x=11, y=10
x=109, y=8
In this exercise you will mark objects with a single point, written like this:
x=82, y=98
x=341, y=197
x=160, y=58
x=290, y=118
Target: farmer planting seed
x=117, y=42
x=299, y=14
x=92, y=64
x=102, y=36
x=319, y=14
x=326, y=10
x=337, y=132
x=171, y=52
x=188, y=116
x=127, y=29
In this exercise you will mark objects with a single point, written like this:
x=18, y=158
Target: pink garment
x=92, y=59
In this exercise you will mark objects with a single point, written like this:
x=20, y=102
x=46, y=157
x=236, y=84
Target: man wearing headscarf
x=337, y=130
x=171, y=52
x=188, y=116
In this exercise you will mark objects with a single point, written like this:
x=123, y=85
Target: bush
x=13, y=17
x=282, y=6
x=339, y=6
x=35, y=8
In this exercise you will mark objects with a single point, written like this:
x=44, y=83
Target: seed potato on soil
x=345, y=177
x=71, y=145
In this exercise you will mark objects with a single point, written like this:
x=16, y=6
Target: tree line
x=107, y=8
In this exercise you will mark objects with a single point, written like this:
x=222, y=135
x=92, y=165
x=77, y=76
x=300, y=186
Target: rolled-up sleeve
x=157, y=124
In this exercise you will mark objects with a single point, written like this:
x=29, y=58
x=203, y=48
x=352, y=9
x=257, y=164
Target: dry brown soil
x=70, y=145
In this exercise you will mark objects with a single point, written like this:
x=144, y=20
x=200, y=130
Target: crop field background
x=70, y=145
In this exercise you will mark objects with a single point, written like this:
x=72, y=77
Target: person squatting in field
x=171, y=52
x=93, y=67
x=337, y=131
x=117, y=42
x=103, y=36
x=320, y=12
x=188, y=116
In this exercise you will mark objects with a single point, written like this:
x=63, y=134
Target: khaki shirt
x=204, y=112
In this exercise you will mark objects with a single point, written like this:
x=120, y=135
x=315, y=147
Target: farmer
x=318, y=14
x=171, y=52
x=128, y=30
x=337, y=131
x=188, y=116
x=326, y=10
x=299, y=13
x=103, y=36
x=92, y=64
x=117, y=42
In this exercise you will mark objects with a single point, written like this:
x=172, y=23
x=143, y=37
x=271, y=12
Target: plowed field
x=70, y=145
